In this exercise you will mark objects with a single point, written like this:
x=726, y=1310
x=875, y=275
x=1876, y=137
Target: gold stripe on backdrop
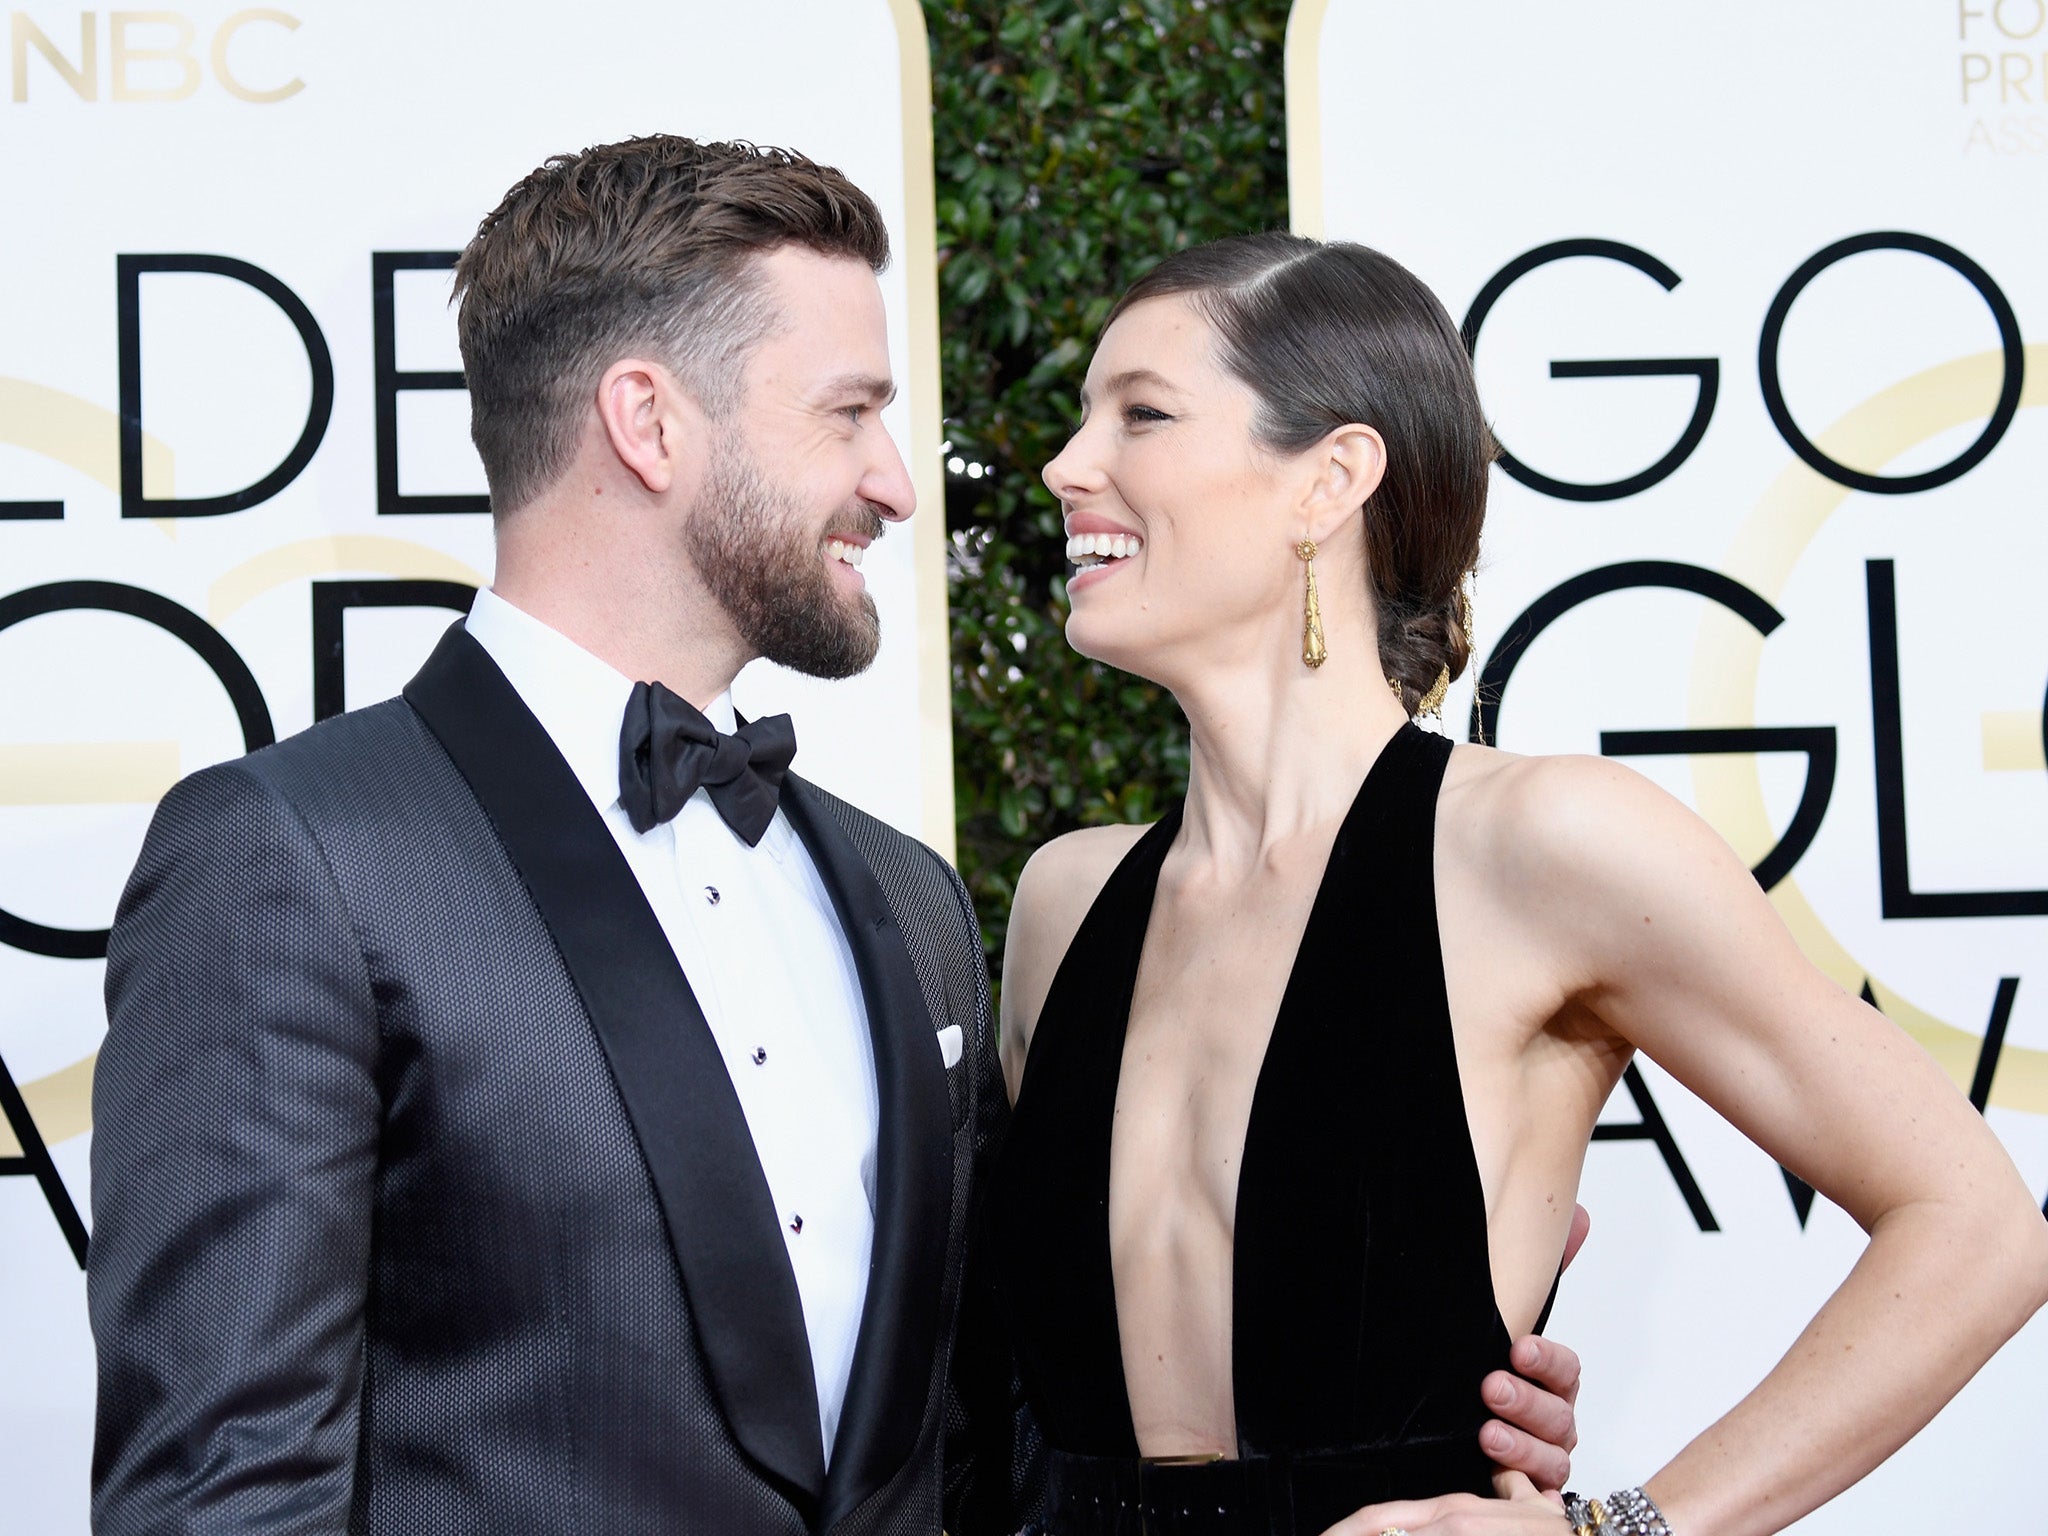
x=1730, y=653
x=330, y=555
x=2012, y=741
x=928, y=528
x=74, y=431
x=60, y=1105
x=86, y=772
x=1304, y=87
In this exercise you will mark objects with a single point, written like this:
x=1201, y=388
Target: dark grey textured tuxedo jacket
x=422, y=1199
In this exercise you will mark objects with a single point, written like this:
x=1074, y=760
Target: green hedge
x=1076, y=144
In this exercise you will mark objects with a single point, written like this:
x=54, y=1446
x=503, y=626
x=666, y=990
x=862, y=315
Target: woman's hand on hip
x=1522, y=1511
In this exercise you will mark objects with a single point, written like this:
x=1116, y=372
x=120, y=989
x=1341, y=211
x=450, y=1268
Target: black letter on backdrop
x=2008, y=339
x=1706, y=369
x=1894, y=879
x=211, y=647
x=333, y=599
x=1587, y=585
x=129, y=271
x=1816, y=741
x=35, y=1161
x=1652, y=1128
x=389, y=381
x=1994, y=1041
x=30, y=511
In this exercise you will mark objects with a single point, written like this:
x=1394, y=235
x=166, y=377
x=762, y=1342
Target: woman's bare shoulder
x=1057, y=887
x=1565, y=816
x=1598, y=863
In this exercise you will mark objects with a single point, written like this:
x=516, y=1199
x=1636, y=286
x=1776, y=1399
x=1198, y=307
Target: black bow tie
x=668, y=750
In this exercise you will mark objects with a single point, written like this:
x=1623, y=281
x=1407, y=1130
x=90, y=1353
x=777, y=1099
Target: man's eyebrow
x=871, y=387
x=1132, y=378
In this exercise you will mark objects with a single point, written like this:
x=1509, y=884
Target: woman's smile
x=1095, y=547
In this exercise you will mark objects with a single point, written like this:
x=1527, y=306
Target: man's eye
x=1144, y=414
x=853, y=413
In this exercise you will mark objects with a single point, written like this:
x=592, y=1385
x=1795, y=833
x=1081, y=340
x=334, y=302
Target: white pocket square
x=949, y=1045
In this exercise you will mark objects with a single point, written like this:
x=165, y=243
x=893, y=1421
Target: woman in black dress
x=1306, y=1072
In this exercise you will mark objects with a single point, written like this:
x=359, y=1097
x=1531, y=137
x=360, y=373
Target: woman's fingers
x=1522, y=1456
x=1513, y=1485
x=1409, y=1515
x=1541, y=1414
x=1455, y=1515
x=1547, y=1363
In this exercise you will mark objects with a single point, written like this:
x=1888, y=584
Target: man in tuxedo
x=527, y=1106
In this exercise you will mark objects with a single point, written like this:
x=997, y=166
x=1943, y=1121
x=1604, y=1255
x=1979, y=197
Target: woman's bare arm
x=1671, y=944
x=1687, y=959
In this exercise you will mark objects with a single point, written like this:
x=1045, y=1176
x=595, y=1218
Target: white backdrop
x=299, y=145
x=1683, y=185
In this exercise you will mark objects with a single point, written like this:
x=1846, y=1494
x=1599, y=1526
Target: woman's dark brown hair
x=1327, y=334
x=647, y=246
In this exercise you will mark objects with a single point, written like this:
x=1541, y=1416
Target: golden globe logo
x=147, y=56
x=2004, y=64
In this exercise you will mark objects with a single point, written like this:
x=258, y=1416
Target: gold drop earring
x=1313, y=652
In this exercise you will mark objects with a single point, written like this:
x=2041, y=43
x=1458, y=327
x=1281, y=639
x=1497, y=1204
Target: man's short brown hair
x=642, y=247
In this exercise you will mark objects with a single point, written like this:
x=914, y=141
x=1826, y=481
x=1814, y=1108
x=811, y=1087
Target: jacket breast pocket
x=959, y=1086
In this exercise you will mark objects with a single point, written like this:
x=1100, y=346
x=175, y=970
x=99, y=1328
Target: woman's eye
x=1144, y=414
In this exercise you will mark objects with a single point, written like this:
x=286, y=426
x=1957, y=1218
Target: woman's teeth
x=1094, y=548
x=839, y=549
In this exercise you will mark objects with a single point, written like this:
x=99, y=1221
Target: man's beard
x=751, y=543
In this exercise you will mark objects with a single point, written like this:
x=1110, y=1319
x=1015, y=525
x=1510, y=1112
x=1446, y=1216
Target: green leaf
x=1076, y=142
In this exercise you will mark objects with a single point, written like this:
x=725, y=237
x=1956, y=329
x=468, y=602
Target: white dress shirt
x=756, y=934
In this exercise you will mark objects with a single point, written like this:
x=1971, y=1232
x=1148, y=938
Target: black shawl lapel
x=892, y=1361
x=714, y=1198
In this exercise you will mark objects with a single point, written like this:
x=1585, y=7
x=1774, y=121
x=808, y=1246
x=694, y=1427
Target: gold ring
x=1393, y=1530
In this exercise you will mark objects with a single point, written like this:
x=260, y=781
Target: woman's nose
x=1073, y=471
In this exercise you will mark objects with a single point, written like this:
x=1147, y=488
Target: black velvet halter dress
x=1363, y=1310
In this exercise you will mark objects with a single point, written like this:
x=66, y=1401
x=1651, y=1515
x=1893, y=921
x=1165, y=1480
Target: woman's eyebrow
x=1132, y=378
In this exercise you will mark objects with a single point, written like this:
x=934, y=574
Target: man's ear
x=636, y=404
x=1346, y=467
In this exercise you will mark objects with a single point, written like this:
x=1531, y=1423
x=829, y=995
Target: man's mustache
x=862, y=522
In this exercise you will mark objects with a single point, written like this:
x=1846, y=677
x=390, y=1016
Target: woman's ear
x=636, y=405
x=1347, y=466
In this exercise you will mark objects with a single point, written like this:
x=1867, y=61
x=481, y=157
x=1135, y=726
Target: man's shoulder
x=914, y=875
x=371, y=732
x=373, y=755
x=873, y=836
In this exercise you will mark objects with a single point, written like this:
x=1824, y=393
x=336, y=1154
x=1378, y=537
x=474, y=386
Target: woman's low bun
x=1422, y=646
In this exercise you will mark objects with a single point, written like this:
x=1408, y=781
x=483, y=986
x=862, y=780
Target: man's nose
x=887, y=485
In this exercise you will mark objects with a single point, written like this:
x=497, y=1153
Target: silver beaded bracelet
x=1630, y=1512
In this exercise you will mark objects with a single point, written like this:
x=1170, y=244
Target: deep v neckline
x=1362, y=1311
x=1144, y=898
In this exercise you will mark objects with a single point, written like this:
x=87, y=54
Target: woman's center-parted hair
x=645, y=247
x=1328, y=334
